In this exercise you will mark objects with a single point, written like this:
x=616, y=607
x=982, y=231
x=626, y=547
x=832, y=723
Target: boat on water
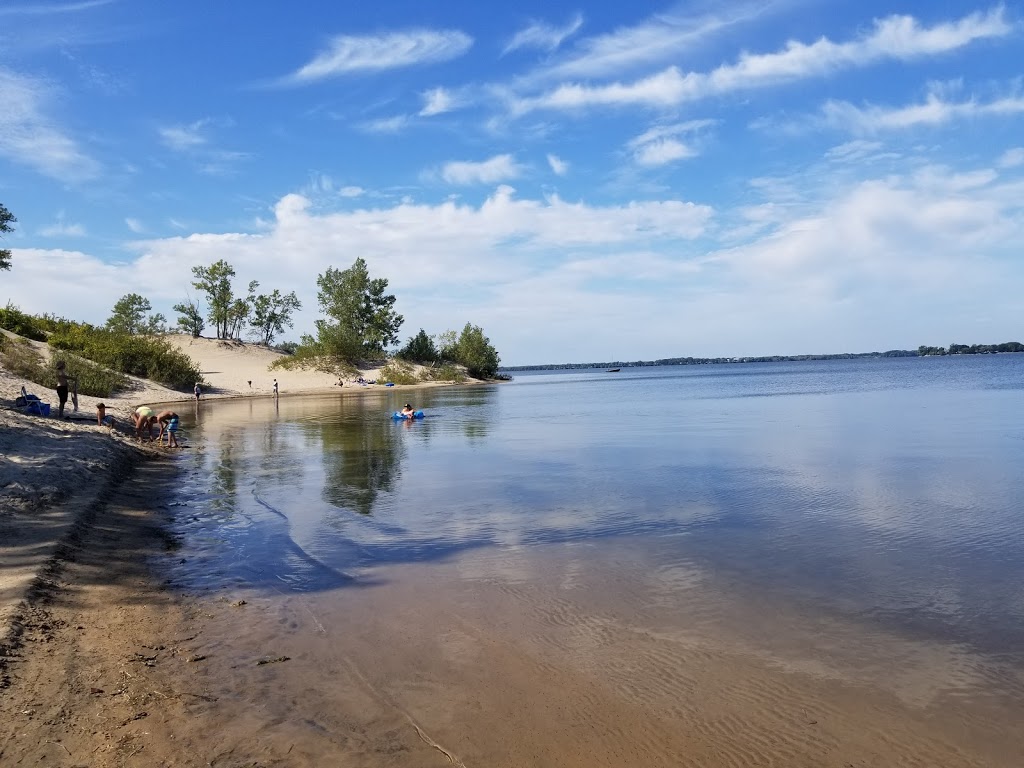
x=614, y=370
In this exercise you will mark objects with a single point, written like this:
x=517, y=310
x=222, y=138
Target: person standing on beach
x=197, y=391
x=62, y=387
x=275, y=387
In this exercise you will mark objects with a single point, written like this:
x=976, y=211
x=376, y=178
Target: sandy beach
x=59, y=479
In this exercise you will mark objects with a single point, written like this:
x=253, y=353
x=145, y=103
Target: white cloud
x=1012, y=158
x=183, y=138
x=853, y=150
x=437, y=101
x=351, y=191
x=543, y=36
x=192, y=140
x=395, y=124
x=559, y=166
x=62, y=228
x=495, y=169
x=41, y=9
x=662, y=152
x=934, y=111
x=661, y=145
x=135, y=225
x=349, y=53
x=895, y=37
x=30, y=136
x=656, y=40
x=878, y=263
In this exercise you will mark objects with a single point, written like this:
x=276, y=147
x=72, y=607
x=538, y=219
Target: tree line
x=923, y=351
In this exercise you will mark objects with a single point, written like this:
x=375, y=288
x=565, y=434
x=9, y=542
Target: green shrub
x=94, y=380
x=16, y=321
x=310, y=355
x=397, y=372
x=21, y=359
x=445, y=372
x=150, y=357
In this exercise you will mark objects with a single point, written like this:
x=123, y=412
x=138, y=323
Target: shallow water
x=848, y=520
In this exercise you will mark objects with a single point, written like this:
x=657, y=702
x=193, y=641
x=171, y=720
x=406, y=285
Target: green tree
x=361, y=320
x=420, y=349
x=130, y=316
x=215, y=281
x=6, y=219
x=190, y=319
x=240, y=311
x=474, y=351
x=271, y=313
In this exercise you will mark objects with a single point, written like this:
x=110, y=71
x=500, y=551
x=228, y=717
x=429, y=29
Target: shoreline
x=52, y=470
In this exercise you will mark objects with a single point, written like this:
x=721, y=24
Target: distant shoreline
x=1007, y=348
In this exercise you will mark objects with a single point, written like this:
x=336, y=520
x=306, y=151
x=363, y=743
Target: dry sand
x=104, y=664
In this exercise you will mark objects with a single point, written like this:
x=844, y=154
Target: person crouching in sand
x=168, y=421
x=143, y=419
x=102, y=419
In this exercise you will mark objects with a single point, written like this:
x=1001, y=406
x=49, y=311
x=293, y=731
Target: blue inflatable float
x=415, y=415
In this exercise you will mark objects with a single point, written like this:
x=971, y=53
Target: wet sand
x=528, y=657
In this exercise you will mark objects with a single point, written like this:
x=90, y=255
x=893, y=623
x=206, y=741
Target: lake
x=701, y=553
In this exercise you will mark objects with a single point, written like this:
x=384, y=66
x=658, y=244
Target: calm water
x=884, y=492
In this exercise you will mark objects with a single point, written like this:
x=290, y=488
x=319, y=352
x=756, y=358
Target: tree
x=6, y=219
x=271, y=313
x=240, y=310
x=361, y=320
x=129, y=316
x=215, y=281
x=474, y=351
x=420, y=349
x=190, y=319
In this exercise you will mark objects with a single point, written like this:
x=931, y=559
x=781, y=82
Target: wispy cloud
x=182, y=138
x=62, y=228
x=558, y=165
x=135, y=225
x=496, y=169
x=662, y=144
x=1012, y=158
x=543, y=36
x=935, y=110
x=656, y=40
x=351, y=191
x=30, y=136
x=437, y=101
x=395, y=124
x=895, y=37
x=193, y=140
x=347, y=54
x=45, y=9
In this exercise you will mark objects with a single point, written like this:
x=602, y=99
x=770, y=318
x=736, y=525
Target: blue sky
x=589, y=182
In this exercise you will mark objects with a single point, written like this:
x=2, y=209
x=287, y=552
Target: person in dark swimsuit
x=62, y=387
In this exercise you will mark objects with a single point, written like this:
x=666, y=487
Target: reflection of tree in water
x=223, y=480
x=361, y=459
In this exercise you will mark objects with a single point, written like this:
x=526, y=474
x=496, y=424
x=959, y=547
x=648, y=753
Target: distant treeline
x=923, y=351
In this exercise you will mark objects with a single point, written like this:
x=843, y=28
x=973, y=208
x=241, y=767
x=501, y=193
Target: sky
x=587, y=182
